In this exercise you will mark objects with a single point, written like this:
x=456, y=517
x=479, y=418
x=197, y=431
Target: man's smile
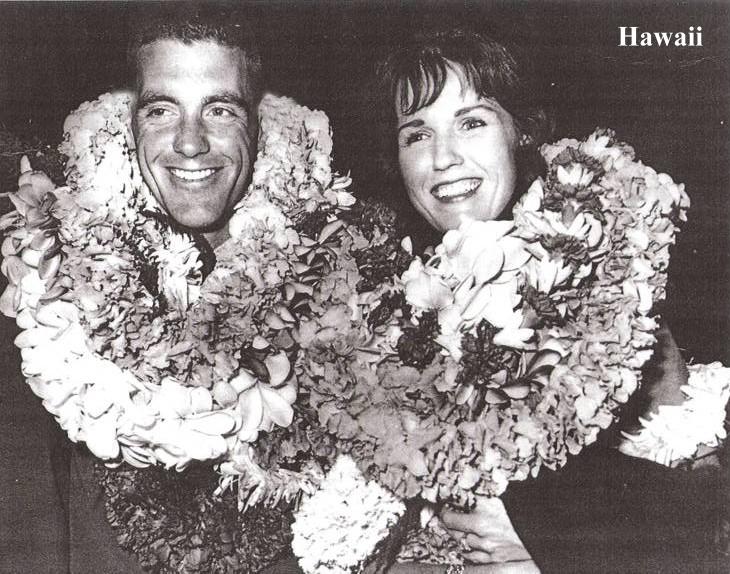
x=453, y=191
x=192, y=174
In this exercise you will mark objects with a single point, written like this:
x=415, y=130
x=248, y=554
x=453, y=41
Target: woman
x=464, y=131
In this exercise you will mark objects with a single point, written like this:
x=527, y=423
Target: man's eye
x=155, y=112
x=221, y=112
x=473, y=123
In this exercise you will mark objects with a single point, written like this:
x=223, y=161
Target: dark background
x=672, y=104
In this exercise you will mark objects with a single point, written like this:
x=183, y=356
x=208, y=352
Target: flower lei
x=512, y=345
x=133, y=345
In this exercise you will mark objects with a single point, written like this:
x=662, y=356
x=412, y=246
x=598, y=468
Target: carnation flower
x=348, y=509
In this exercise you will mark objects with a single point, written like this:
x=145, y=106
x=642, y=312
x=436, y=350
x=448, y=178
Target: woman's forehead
x=429, y=87
x=425, y=88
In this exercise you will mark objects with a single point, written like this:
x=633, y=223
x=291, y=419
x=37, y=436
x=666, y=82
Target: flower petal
x=278, y=367
x=277, y=407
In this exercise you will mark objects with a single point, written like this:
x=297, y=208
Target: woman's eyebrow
x=464, y=111
x=412, y=124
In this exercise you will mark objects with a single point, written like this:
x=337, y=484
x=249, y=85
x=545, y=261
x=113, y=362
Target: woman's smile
x=452, y=192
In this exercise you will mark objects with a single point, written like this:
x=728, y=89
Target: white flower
x=676, y=432
x=263, y=404
x=425, y=290
x=551, y=151
x=575, y=174
x=338, y=529
x=176, y=263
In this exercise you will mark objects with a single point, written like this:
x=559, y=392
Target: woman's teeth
x=456, y=189
x=189, y=175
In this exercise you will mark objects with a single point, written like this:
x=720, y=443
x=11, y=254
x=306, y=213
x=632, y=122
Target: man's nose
x=445, y=153
x=191, y=138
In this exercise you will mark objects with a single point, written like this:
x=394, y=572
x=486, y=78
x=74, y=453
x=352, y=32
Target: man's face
x=195, y=128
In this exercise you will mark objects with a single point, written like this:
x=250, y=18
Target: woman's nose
x=445, y=153
x=191, y=139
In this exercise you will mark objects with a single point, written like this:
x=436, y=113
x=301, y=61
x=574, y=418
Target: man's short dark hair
x=189, y=24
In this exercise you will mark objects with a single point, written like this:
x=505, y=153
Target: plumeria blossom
x=473, y=276
x=482, y=249
x=424, y=289
x=265, y=403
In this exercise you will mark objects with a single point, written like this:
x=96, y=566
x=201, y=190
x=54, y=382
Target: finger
x=454, y=520
x=25, y=164
x=478, y=557
x=491, y=504
x=510, y=553
x=480, y=543
x=522, y=567
x=31, y=177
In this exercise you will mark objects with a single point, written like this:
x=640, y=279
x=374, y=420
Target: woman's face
x=457, y=156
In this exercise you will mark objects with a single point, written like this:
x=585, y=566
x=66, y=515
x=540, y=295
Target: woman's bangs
x=422, y=83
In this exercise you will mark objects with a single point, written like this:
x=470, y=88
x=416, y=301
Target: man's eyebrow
x=227, y=98
x=148, y=98
x=412, y=124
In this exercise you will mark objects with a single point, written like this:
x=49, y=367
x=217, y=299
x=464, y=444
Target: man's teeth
x=192, y=175
x=456, y=189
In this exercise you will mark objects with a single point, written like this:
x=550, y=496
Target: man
x=195, y=123
x=197, y=80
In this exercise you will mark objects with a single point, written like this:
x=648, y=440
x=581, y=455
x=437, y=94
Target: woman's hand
x=487, y=531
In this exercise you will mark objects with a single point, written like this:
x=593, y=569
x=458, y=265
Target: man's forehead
x=201, y=66
x=171, y=51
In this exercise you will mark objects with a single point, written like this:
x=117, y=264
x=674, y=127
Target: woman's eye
x=414, y=137
x=473, y=123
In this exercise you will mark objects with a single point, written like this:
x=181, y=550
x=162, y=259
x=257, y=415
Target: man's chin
x=199, y=222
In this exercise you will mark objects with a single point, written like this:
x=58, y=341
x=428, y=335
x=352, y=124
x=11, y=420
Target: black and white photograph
x=365, y=287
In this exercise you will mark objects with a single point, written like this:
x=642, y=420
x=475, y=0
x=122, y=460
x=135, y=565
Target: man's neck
x=218, y=237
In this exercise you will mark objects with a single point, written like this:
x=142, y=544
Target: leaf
x=330, y=229
x=517, y=391
x=495, y=397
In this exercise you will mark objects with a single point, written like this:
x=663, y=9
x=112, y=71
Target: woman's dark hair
x=412, y=76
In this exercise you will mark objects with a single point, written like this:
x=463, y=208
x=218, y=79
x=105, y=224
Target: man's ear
x=132, y=95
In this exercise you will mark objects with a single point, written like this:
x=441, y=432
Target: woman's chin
x=452, y=221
